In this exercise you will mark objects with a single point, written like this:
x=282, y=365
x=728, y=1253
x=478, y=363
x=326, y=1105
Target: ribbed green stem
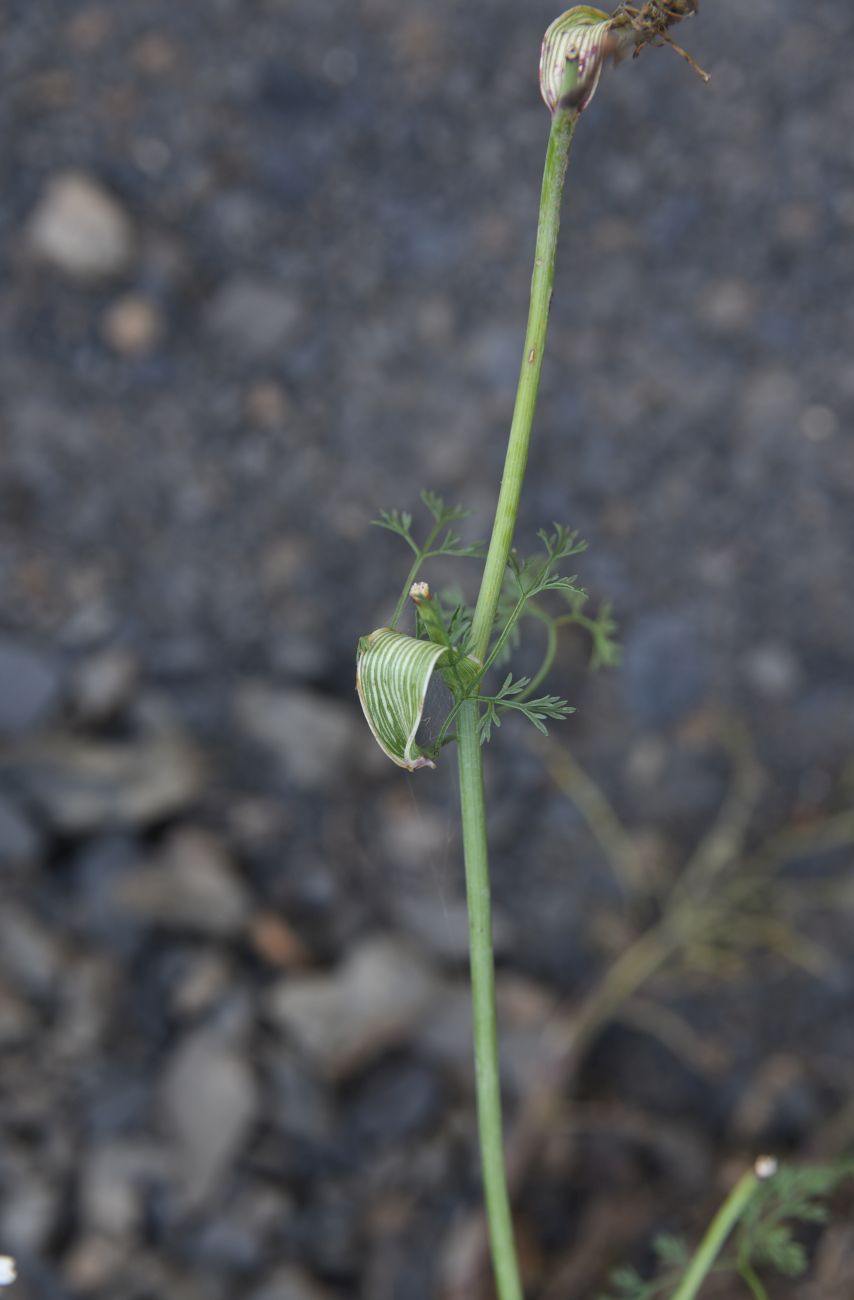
x=488, y=1083
x=505, y=1266
x=718, y=1231
x=507, y=510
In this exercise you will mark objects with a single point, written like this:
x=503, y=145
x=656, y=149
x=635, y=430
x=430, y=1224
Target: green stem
x=421, y=555
x=748, y=1276
x=504, y=1262
x=487, y=1078
x=718, y=1231
x=548, y=659
x=557, y=158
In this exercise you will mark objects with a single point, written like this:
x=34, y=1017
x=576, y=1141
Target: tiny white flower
x=8, y=1272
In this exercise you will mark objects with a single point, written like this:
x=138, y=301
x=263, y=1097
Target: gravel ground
x=264, y=271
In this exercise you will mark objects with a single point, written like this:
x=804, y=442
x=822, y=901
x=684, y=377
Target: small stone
x=20, y=842
x=202, y=984
x=300, y=1104
x=80, y=229
x=16, y=1019
x=132, y=326
x=441, y=926
x=311, y=737
x=267, y=404
x=29, y=687
x=209, y=1103
x=526, y=1013
x=82, y=785
x=155, y=54
x=727, y=306
x=114, y=1181
x=773, y=670
x=29, y=953
x=289, y=1283
x=102, y=685
x=666, y=669
x=413, y=837
x=393, y=1102
x=92, y=1262
x=253, y=318
x=28, y=1218
x=192, y=886
x=277, y=943
x=372, y=1002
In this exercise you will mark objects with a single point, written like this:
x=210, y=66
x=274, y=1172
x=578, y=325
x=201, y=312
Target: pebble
x=209, y=1104
x=289, y=1283
x=29, y=954
x=311, y=737
x=773, y=670
x=727, y=306
x=83, y=785
x=370, y=1003
x=665, y=669
x=441, y=926
x=191, y=886
x=253, y=318
x=300, y=1105
x=27, y=1218
x=114, y=1181
x=80, y=229
x=20, y=842
x=29, y=687
x=16, y=1019
x=102, y=685
x=201, y=984
x=525, y=1012
x=392, y=1103
x=132, y=326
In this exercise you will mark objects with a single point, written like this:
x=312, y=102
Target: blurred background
x=265, y=267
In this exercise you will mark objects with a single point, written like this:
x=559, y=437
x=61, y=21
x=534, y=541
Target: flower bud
x=581, y=36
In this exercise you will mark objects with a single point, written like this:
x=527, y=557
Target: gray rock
x=29, y=1216
x=80, y=229
x=114, y=1181
x=83, y=785
x=202, y=983
x=310, y=737
x=441, y=926
x=16, y=1019
x=529, y=1041
x=191, y=886
x=301, y=1105
x=20, y=842
x=103, y=684
x=29, y=686
x=773, y=670
x=368, y=1004
x=289, y=1283
x=666, y=669
x=209, y=1103
x=253, y=317
x=29, y=953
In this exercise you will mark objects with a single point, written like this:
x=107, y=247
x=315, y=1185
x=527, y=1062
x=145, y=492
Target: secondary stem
x=718, y=1231
x=505, y=1265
